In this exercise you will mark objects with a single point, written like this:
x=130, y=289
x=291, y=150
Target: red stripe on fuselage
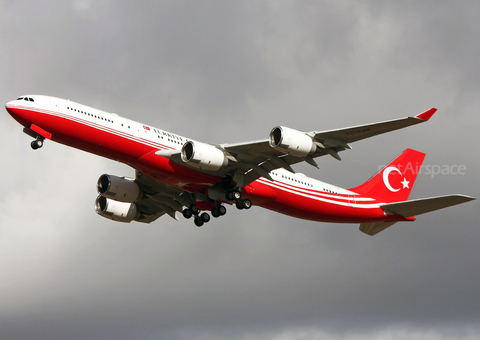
x=316, y=208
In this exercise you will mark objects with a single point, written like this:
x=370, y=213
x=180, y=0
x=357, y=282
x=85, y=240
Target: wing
x=159, y=199
x=341, y=137
x=257, y=158
x=250, y=160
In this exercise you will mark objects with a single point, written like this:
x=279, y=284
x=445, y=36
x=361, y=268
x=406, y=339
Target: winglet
x=427, y=114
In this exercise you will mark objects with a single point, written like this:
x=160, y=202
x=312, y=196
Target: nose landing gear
x=37, y=143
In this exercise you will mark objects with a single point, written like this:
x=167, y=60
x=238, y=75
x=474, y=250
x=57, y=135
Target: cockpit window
x=26, y=99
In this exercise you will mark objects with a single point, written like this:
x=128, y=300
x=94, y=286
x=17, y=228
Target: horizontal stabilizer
x=374, y=227
x=424, y=205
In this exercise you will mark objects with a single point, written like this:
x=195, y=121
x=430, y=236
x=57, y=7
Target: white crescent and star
x=387, y=172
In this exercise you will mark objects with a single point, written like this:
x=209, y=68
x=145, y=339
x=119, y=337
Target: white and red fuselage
x=120, y=139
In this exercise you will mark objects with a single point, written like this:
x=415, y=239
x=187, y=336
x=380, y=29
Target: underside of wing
x=142, y=199
x=159, y=199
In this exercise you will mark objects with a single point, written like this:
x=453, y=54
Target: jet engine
x=203, y=156
x=115, y=210
x=292, y=142
x=118, y=188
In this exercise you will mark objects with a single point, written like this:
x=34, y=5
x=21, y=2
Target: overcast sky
x=229, y=71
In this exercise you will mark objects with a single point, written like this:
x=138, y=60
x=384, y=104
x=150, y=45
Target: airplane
x=177, y=174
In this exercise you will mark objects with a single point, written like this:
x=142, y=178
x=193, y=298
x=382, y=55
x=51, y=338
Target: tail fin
x=395, y=181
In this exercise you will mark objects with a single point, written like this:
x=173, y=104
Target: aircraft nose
x=17, y=114
x=9, y=105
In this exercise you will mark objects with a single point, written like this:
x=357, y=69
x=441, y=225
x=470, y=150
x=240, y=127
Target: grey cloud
x=226, y=72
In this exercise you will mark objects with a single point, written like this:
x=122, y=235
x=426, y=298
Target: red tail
x=395, y=181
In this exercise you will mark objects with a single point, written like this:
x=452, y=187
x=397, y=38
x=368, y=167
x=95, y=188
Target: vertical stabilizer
x=395, y=181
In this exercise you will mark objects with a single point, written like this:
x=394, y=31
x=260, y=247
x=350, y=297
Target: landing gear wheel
x=187, y=213
x=233, y=195
x=193, y=209
x=239, y=204
x=36, y=144
x=219, y=211
x=247, y=204
x=237, y=195
x=205, y=217
x=198, y=221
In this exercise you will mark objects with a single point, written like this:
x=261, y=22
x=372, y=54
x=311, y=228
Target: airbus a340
x=178, y=174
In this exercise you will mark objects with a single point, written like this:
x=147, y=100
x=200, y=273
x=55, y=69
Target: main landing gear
x=236, y=195
x=243, y=204
x=233, y=195
x=201, y=218
x=219, y=210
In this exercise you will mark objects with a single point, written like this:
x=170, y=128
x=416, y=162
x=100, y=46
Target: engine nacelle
x=203, y=156
x=118, y=188
x=292, y=142
x=115, y=210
